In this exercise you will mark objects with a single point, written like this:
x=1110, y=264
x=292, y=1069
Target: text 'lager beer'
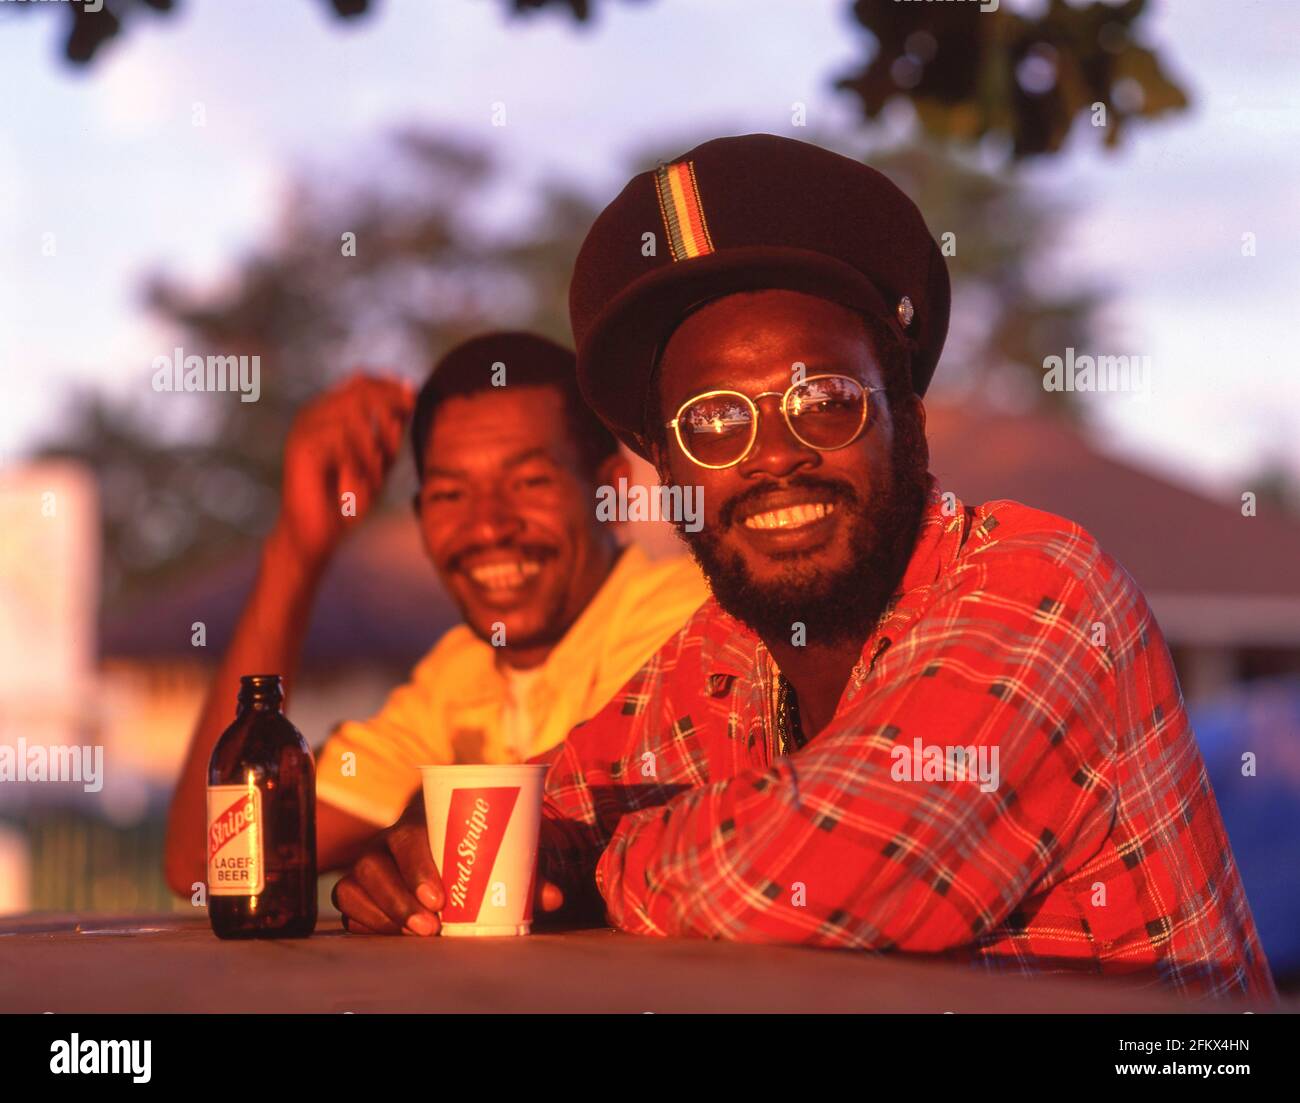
x=261, y=821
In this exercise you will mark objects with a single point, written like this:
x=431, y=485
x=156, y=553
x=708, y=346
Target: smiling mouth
x=503, y=578
x=791, y=517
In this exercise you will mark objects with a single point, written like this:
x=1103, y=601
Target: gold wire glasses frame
x=863, y=392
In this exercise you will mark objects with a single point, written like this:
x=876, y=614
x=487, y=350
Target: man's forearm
x=268, y=640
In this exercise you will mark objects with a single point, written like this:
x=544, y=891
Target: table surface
x=173, y=963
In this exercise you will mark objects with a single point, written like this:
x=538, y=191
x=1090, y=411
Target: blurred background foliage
x=422, y=279
x=987, y=88
x=1022, y=79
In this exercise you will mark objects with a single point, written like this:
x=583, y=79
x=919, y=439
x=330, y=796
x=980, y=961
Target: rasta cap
x=744, y=214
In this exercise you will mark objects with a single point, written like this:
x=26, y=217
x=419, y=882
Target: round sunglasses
x=717, y=429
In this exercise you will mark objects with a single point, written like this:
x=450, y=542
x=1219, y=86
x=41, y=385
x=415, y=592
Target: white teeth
x=791, y=517
x=504, y=576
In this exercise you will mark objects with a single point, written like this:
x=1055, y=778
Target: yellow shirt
x=452, y=708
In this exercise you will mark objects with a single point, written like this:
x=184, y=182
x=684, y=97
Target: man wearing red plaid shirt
x=902, y=723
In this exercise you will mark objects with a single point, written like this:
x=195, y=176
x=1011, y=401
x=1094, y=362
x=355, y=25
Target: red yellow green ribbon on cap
x=683, y=214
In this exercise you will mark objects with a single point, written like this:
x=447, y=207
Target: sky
x=110, y=163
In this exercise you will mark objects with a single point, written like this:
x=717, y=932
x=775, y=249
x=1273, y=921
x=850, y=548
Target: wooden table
x=173, y=963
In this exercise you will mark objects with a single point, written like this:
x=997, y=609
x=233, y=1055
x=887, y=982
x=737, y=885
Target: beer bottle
x=261, y=841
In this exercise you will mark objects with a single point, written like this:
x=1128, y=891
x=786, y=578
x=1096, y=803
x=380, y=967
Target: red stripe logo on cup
x=476, y=824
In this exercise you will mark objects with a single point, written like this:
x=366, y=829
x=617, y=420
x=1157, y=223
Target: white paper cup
x=483, y=823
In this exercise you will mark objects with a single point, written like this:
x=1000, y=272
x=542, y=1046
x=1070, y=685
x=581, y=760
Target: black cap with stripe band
x=742, y=214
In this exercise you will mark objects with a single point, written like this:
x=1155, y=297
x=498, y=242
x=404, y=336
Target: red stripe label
x=236, y=865
x=235, y=820
x=476, y=824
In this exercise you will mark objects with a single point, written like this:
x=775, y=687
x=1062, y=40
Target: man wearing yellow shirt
x=556, y=615
x=466, y=702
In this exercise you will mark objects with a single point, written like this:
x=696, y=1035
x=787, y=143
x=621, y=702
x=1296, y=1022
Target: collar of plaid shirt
x=1093, y=845
x=940, y=537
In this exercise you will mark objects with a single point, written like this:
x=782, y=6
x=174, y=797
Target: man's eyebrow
x=538, y=452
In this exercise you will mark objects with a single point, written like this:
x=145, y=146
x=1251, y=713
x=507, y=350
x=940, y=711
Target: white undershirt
x=516, y=720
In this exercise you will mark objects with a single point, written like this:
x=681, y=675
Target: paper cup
x=483, y=823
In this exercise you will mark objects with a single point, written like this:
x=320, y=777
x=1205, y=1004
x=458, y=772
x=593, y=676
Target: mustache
x=529, y=550
x=834, y=490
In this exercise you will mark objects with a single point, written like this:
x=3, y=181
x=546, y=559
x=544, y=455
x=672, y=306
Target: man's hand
x=343, y=442
x=394, y=887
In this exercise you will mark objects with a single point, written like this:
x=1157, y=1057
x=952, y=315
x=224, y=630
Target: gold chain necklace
x=787, y=718
x=783, y=705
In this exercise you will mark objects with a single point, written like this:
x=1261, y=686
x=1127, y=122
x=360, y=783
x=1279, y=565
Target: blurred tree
x=1017, y=79
x=1010, y=301
x=89, y=29
x=1274, y=484
x=1021, y=81
x=187, y=477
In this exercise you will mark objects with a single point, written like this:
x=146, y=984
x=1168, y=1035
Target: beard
x=834, y=606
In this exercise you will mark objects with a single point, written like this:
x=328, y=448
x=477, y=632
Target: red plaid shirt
x=1100, y=850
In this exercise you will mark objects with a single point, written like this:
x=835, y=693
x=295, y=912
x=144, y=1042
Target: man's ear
x=923, y=444
x=659, y=461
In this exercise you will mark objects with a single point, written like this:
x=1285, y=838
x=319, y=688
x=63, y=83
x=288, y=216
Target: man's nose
x=491, y=518
x=776, y=451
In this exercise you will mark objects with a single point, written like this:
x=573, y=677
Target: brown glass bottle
x=261, y=842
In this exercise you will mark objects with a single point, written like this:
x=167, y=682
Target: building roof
x=1211, y=574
